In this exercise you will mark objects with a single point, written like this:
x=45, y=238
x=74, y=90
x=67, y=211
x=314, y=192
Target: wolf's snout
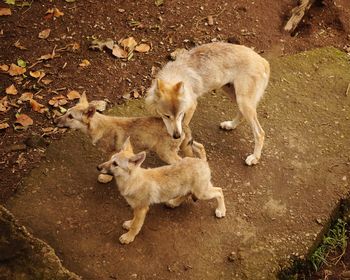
x=176, y=135
x=99, y=168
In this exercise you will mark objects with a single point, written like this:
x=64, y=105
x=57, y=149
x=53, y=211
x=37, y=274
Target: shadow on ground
x=275, y=210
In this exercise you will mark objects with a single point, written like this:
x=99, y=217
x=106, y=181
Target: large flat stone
x=274, y=208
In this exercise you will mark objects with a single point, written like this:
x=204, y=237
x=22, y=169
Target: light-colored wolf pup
x=239, y=70
x=170, y=184
x=146, y=133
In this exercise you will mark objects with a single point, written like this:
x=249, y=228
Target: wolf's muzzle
x=176, y=135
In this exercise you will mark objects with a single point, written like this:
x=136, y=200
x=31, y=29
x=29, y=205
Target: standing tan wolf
x=170, y=184
x=239, y=70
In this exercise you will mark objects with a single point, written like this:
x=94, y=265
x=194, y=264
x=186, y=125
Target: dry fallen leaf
x=84, y=63
x=11, y=90
x=24, y=120
x=73, y=94
x=55, y=12
x=4, y=67
x=35, y=74
x=26, y=96
x=119, y=52
x=58, y=100
x=4, y=105
x=75, y=46
x=5, y=12
x=128, y=43
x=16, y=70
x=142, y=48
x=46, y=81
x=36, y=106
x=158, y=2
x=4, y=125
x=18, y=45
x=44, y=34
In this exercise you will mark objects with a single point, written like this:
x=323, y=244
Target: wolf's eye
x=70, y=116
x=114, y=164
x=168, y=117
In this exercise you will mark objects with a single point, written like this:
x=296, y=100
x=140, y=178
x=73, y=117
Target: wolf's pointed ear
x=179, y=87
x=160, y=87
x=127, y=146
x=138, y=159
x=83, y=100
x=90, y=111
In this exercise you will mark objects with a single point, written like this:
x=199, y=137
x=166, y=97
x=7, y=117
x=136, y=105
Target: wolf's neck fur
x=173, y=73
x=128, y=185
x=101, y=126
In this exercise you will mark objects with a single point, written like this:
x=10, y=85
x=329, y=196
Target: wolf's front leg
x=136, y=225
x=186, y=145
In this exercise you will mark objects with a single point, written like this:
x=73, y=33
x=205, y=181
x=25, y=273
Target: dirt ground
x=173, y=25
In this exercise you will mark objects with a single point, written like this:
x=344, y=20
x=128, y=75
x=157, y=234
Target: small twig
x=64, y=48
x=35, y=63
x=30, y=6
x=216, y=15
x=40, y=90
x=61, y=89
x=347, y=90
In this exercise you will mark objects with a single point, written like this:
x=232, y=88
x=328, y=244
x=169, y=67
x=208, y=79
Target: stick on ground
x=297, y=15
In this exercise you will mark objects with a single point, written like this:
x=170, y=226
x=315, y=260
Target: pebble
x=232, y=257
x=104, y=178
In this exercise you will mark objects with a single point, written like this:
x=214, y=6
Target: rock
x=104, y=178
x=25, y=257
x=232, y=257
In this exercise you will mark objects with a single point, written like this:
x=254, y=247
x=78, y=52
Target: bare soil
x=176, y=24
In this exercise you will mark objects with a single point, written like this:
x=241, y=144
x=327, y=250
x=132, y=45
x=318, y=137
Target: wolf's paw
x=219, y=213
x=251, y=160
x=104, y=178
x=127, y=224
x=126, y=238
x=227, y=125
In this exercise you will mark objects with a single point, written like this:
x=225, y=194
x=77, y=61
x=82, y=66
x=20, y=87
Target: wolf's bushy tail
x=198, y=150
